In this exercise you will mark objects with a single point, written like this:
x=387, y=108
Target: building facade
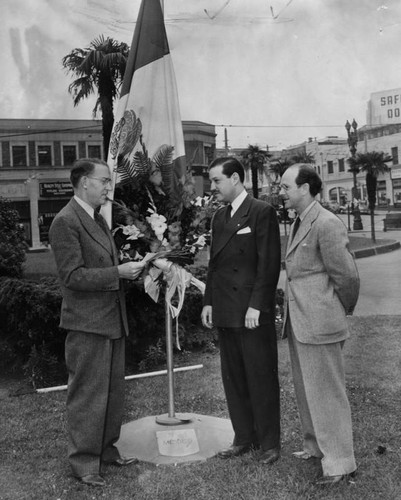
x=36, y=157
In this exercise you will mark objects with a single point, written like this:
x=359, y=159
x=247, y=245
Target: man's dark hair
x=308, y=175
x=82, y=167
x=229, y=165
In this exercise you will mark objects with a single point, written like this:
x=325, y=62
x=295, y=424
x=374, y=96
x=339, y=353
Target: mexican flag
x=147, y=132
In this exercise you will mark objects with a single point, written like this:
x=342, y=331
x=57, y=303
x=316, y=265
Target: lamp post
x=352, y=143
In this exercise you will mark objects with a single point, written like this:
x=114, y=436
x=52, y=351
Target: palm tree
x=373, y=163
x=278, y=167
x=254, y=159
x=303, y=158
x=100, y=68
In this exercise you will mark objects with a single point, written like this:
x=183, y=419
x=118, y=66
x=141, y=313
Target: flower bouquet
x=156, y=217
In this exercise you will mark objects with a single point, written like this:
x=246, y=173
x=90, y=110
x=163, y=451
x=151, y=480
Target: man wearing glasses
x=93, y=312
x=321, y=290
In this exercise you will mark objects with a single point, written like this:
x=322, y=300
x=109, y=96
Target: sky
x=270, y=72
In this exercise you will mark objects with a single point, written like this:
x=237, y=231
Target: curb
x=369, y=252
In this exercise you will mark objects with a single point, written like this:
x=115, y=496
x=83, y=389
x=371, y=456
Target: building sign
x=384, y=107
x=55, y=189
x=13, y=190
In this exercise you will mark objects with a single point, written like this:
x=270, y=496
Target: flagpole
x=170, y=418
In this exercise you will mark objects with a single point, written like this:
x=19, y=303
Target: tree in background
x=373, y=163
x=12, y=242
x=100, y=68
x=303, y=158
x=254, y=159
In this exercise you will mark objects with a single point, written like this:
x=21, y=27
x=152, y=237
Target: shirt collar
x=237, y=202
x=88, y=209
x=307, y=210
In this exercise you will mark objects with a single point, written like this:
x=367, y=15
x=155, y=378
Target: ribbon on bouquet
x=177, y=279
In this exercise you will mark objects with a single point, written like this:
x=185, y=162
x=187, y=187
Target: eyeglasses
x=103, y=180
x=286, y=188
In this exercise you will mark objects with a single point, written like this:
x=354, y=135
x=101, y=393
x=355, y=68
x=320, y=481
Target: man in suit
x=93, y=312
x=322, y=287
x=240, y=301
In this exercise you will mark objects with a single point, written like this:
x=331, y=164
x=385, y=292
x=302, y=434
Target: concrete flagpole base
x=194, y=438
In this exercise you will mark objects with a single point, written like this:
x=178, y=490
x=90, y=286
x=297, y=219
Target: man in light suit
x=321, y=290
x=240, y=301
x=93, y=312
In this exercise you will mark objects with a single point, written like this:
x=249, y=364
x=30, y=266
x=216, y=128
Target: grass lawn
x=33, y=462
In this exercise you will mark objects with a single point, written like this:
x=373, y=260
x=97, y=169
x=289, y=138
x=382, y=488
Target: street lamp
x=352, y=143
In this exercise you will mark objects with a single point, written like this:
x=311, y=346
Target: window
x=94, y=151
x=330, y=168
x=394, y=154
x=69, y=154
x=19, y=156
x=341, y=166
x=44, y=156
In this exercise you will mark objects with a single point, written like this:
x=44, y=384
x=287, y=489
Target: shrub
x=12, y=242
x=31, y=338
x=30, y=314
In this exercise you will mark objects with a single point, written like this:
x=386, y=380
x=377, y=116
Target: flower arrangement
x=156, y=217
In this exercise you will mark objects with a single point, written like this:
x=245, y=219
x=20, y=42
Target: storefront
x=382, y=198
x=53, y=196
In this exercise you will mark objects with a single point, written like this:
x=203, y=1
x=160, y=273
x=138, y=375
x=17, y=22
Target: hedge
x=31, y=338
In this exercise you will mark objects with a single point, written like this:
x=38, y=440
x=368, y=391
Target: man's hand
x=252, y=318
x=130, y=270
x=207, y=316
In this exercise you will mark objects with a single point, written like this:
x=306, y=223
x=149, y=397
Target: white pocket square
x=244, y=230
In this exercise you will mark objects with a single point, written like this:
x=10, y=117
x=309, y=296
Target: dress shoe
x=234, y=451
x=93, y=480
x=122, y=462
x=329, y=480
x=269, y=456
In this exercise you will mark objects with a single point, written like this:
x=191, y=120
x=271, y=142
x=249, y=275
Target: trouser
x=95, y=399
x=319, y=382
x=250, y=379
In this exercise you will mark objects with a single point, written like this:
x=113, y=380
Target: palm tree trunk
x=255, y=187
x=372, y=224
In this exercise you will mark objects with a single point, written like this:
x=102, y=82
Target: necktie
x=228, y=212
x=296, y=226
x=100, y=221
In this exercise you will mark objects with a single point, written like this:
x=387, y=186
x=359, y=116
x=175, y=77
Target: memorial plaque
x=177, y=443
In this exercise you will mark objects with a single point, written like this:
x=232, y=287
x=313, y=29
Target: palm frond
x=163, y=160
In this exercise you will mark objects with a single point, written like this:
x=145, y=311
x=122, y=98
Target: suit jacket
x=86, y=259
x=244, y=263
x=322, y=279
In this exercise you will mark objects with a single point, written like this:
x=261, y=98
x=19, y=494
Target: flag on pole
x=147, y=131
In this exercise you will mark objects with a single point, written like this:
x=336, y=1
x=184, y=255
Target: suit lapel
x=93, y=228
x=224, y=231
x=304, y=228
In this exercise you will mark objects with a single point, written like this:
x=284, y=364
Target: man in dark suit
x=322, y=288
x=93, y=312
x=240, y=301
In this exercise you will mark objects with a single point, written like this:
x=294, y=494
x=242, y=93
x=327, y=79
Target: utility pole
x=225, y=142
